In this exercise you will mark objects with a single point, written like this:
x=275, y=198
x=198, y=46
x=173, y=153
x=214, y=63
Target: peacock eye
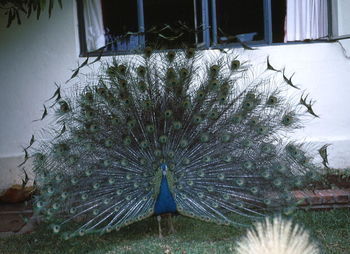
x=221, y=176
x=168, y=113
x=214, y=84
x=148, y=51
x=74, y=180
x=144, y=144
x=142, y=86
x=287, y=120
x=122, y=69
x=124, y=162
x=101, y=91
x=127, y=141
x=173, y=82
x=237, y=118
x=148, y=104
x=272, y=100
x=64, y=106
x=177, y=125
x=163, y=139
x=183, y=143
x=201, y=94
x=240, y=182
x=214, y=115
x=58, y=178
x=253, y=121
x=39, y=204
x=108, y=143
x=123, y=83
x=197, y=119
x=186, y=104
x=254, y=190
x=171, y=154
x=186, y=161
x=141, y=70
x=248, y=105
x=210, y=189
x=89, y=97
x=171, y=55
x=184, y=72
x=277, y=182
x=170, y=73
x=56, y=229
x=235, y=64
x=150, y=128
x=214, y=69
x=227, y=158
x=226, y=138
x=266, y=174
x=131, y=124
x=93, y=127
x=207, y=159
x=204, y=137
x=248, y=165
x=190, y=52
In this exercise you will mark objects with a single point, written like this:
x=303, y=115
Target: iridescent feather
x=216, y=133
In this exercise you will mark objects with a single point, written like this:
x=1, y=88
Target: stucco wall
x=36, y=54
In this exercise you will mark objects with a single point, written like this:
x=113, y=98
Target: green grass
x=331, y=229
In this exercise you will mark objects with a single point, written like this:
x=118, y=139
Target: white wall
x=33, y=56
x=36, y=54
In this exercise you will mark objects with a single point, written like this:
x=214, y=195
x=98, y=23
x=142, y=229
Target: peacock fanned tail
x=218, y=130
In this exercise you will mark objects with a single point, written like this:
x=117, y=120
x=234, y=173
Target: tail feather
x=219, y=132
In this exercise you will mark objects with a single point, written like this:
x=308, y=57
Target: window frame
x=210, y=34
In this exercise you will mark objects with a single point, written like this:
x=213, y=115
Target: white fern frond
x=277, y=236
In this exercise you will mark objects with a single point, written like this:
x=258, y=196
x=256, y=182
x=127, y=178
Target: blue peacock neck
x=165, y=202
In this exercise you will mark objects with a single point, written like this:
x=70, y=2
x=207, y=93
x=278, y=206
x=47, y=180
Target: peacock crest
x=174, y=131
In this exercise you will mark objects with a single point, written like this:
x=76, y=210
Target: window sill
x=220, y=46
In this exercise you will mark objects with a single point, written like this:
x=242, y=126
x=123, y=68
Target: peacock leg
x=159, y=226
x=170, y=224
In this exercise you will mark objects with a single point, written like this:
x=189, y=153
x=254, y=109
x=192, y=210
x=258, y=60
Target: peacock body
x=164, y=133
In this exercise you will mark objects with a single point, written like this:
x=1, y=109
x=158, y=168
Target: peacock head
x=164, y=168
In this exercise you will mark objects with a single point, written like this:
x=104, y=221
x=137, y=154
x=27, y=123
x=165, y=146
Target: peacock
x=169, y=132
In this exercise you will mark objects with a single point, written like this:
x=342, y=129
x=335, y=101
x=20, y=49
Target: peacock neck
x=165, y=202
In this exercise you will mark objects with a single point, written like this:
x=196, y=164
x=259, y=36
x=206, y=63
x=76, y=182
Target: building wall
x=36, y=54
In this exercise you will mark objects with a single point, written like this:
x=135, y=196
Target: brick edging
x=323, y=198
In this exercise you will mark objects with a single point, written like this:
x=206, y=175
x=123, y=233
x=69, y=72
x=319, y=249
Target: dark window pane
x=178, y=14
x=278, y=19
x=240, y=17
x=120, y=17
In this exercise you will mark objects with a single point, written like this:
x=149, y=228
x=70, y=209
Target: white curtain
x=306, y=19
x=95, y=36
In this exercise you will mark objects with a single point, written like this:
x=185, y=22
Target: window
x=122, y=26
x=340, y=19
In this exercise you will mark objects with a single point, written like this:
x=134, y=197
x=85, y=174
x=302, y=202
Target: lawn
x=330, y=228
